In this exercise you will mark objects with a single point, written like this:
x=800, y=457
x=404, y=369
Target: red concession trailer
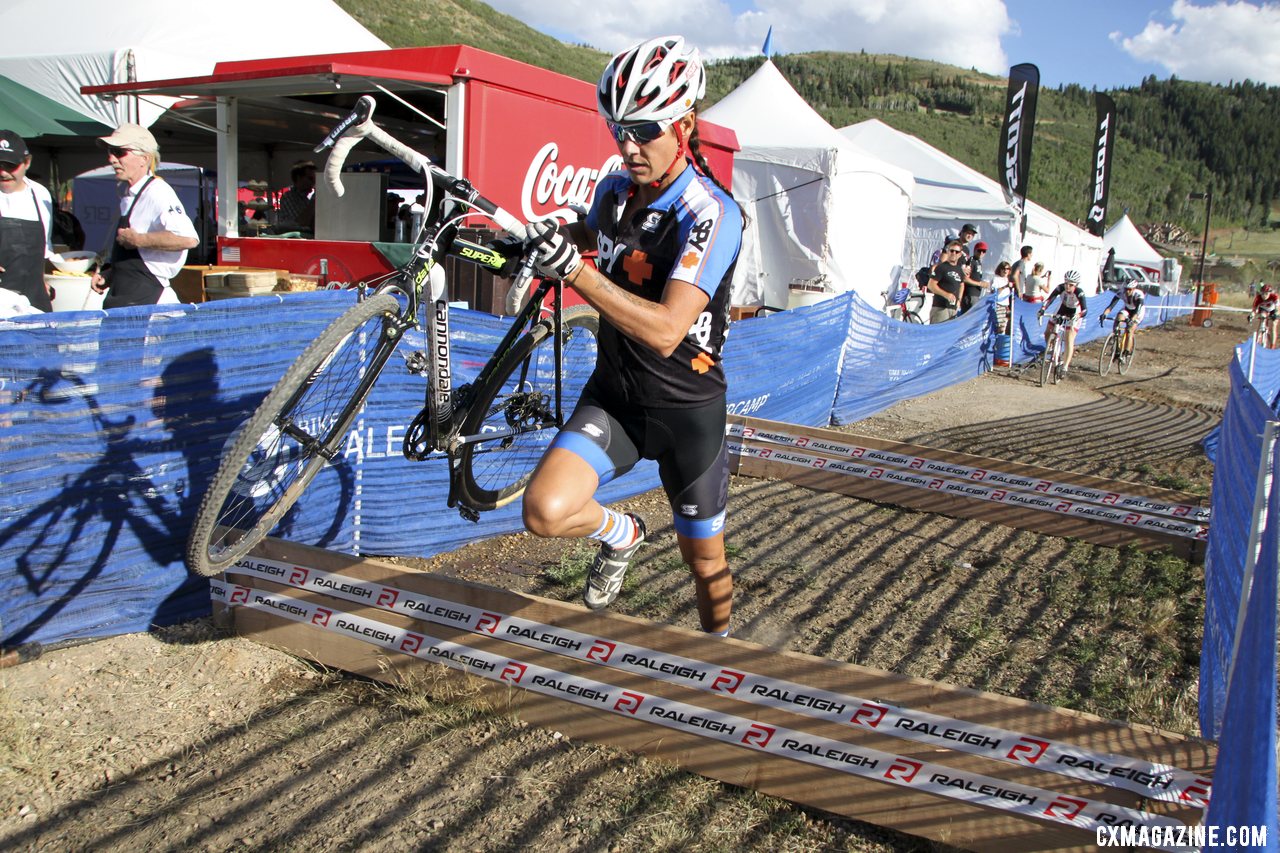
x=528, y=138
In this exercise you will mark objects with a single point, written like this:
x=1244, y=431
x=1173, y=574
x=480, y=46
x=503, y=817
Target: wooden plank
x=912, y=811
x=943, y=503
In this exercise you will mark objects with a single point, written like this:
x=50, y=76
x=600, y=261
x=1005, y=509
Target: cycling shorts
x=1134, y=316
x=688, y=444
x=1072, y=322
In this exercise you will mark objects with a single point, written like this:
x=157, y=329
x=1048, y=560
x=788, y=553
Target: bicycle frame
x=445, y=408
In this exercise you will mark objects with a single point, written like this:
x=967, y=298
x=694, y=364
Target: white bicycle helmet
x=657, y=80
x=1072, y=276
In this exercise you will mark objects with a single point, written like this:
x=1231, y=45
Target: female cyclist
x=1071, y=311
x=668, y=236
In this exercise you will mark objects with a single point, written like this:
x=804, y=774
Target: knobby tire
x=521, y=392
x=263, y=472
x=1109, y=349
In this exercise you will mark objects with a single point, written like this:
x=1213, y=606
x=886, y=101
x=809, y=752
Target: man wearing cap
x=26, y=221
x=975, y=287
x=153, y=233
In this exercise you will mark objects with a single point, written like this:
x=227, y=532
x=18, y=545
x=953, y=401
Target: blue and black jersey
x=692, y=233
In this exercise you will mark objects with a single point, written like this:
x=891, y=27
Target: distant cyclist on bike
x=1134, y=302
x=668, y=236
x=1266, y=305
x=1071, y=312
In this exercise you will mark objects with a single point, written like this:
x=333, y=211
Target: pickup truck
x=1144, y=279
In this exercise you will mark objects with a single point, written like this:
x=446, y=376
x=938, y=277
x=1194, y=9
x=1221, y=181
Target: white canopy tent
x=96, y=43
x=949, y=193
x=1131, y=247
x=819, y=209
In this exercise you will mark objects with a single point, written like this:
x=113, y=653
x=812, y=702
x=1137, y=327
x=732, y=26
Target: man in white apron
x=154, y=232
x=26, y=219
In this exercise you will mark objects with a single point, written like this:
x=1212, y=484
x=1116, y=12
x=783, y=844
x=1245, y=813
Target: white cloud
x=918, y=28
x=1213, y=44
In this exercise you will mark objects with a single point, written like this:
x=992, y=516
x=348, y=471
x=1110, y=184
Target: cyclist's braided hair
x=695, y=148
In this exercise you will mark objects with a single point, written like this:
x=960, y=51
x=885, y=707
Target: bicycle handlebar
x=359, y=125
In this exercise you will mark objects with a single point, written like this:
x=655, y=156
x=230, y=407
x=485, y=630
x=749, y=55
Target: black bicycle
x=493, y=431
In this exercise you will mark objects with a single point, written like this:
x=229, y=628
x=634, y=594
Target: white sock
x=617, y=530
x=723, y=633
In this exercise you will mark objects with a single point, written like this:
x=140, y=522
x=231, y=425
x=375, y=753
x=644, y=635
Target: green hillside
x=1174, y=137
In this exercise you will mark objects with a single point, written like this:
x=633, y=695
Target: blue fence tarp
x=1238, y=696
x=115, y=423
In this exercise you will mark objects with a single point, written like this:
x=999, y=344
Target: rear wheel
x=1125, y=359
x=1108, y=357
x=521, y=395
x=273, y=456
x=914, y=318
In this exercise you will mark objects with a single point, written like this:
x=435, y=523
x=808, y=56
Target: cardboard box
x=189, y=283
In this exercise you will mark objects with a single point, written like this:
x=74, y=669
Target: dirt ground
x=186, y=739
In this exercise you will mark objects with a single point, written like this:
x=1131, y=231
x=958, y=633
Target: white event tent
x=1131, y=247
x=89, y=42
x=819, y=208
x=949, y=193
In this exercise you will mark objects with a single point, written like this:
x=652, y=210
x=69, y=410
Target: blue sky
x=1096, y=43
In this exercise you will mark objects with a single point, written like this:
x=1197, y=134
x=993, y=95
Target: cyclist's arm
x=660, y=326
x=933, y=287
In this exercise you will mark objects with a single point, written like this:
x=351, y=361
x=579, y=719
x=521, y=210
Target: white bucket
x=72, y=293
x=800, y=295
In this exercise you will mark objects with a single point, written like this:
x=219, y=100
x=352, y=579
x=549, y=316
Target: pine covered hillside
x=1174, y=137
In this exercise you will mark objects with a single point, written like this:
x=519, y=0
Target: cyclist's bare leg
x=560, y=500
x=1272, y=325
x=1068, y=345
x=711, y=578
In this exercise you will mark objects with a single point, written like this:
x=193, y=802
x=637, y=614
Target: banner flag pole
x=1013, y=157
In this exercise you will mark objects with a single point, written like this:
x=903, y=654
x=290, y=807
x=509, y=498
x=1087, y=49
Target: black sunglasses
x=118, y=153
x=641, y=133
x=10, y=167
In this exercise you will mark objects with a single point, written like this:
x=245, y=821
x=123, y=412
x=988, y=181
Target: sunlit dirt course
x=187, y=739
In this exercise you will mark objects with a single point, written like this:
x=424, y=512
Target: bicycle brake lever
x=519, y=290
x=359, y=115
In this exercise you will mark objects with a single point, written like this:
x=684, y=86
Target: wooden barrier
x=1026, y=497
x=960, y=766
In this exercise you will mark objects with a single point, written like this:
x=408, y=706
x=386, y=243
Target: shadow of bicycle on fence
x=120, y=512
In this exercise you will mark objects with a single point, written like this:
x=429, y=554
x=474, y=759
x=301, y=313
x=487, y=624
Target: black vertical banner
x=1013, y=160
x=1103, y=151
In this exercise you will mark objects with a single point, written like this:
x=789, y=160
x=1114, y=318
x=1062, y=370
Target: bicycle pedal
x=417, y=362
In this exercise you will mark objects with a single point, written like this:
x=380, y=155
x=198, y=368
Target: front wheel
x=518, y=404
x=300, y=425
x=914, y=318
x=1108, y=357
x=1046, y=364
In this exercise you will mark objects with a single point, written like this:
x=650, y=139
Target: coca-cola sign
x=549, y=181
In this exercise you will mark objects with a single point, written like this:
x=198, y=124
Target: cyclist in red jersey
x=1267, y=306
x=668, y=236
